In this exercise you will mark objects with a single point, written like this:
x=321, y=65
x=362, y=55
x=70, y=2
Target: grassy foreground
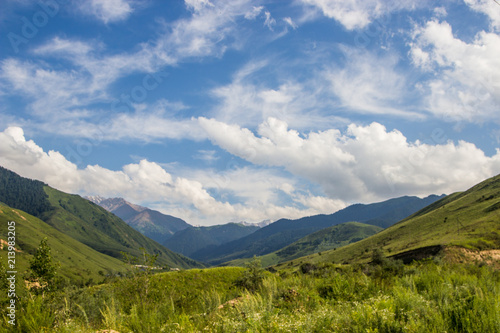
x=423, y=297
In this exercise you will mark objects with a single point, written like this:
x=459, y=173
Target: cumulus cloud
x=358, y=14
x=466, y=86
x=149, y=183
x=365, y=163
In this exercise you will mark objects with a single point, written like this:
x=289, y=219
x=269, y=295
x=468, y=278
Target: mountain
x=151, y=223
x=461, y=224
x=284, y=232
x=193, y=239
x=82, y=220
x=79, y=262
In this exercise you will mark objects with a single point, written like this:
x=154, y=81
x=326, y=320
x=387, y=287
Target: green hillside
x=84, y=221
x=103, y=231
x=25, y=194
x=469, y=219
x=79, y=263
x=323, y=240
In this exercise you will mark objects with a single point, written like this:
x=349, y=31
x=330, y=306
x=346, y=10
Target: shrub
x=253, y=276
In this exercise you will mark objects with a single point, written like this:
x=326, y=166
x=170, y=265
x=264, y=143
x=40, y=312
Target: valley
x=357, y=268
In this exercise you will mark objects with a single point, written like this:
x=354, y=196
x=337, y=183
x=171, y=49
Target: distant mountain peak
x=151, y=223
x=97, y=199
x=111, y=204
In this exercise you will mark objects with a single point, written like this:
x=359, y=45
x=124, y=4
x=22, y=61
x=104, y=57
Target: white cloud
x=365, y=83
x=51, y=92
x=366, y=163
x=107, y=10
x=102, y=69
x=59, y=100
x=466, y=86
x=247, y=102
x=148, y=183
x=142, y=122
x=371, y=84
x=58, y=92
x=208, y=156
x=489, y=8
x=270, y=22
x=67, y=95
x=252, y=15
x=354, y=14
x=290, y=22
x=440, y=12
x=210, y=30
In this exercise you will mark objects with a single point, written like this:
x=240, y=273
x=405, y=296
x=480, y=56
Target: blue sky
x=217, y=111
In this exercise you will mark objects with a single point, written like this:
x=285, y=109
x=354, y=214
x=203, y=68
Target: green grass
x=422, y=297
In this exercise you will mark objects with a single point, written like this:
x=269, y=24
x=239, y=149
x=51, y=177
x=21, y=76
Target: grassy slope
x=323, y=240
x=469, y=219
x=101, y=230
x=78, y=261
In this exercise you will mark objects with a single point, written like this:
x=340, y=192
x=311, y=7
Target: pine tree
x=43, y=269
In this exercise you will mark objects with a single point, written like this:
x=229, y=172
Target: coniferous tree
x=42, y=267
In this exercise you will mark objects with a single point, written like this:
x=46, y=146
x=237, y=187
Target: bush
x=253, y=276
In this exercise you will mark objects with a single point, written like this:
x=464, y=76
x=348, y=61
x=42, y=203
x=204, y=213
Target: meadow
x=384, y=296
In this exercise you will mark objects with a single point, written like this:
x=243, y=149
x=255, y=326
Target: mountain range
x=172, y=232
x=284, y=232
x=89, y=241
x=200, y=239
x=463, y=226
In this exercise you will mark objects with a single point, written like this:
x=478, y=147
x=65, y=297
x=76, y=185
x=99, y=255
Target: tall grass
x=422, y=297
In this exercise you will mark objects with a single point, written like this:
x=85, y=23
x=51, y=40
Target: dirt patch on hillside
x=19, y=215
x=6, y=244
x=462, y=255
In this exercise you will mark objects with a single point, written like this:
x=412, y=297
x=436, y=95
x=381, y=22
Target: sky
x=221, y=111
